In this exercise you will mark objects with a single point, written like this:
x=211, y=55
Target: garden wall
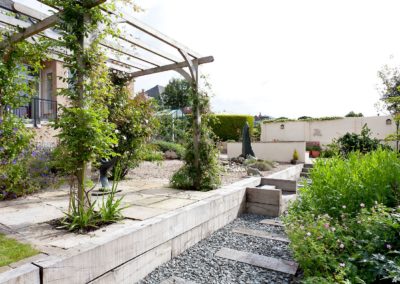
x=128, y=255
x=325, y=131
x=273, y=151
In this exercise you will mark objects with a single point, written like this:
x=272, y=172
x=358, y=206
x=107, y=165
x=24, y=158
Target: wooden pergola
x=130, y=54
x=126, y=53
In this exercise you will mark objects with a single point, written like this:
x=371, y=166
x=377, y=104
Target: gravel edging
x=199, y=263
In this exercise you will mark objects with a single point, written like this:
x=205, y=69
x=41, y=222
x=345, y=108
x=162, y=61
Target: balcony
x=37, y=111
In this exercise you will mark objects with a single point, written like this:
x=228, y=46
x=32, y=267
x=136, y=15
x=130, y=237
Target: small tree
x=135, y=123
x=390, y=96
x=206, y=174
x=176, y=94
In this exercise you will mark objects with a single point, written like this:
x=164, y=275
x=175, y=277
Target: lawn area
x=12, y=250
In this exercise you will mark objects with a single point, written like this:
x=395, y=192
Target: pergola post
x=84, y=168
x=193, y=78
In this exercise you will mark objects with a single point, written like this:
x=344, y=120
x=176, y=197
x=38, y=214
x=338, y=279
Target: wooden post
x=83, y=168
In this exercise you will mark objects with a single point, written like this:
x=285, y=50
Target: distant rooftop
x=155, y=92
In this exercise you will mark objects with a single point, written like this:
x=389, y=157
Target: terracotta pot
x=314, y=154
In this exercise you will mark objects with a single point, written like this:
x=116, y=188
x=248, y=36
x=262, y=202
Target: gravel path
x=199, y=263
x=165, y=169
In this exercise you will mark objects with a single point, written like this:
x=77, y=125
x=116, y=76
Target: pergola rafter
x=118, y=51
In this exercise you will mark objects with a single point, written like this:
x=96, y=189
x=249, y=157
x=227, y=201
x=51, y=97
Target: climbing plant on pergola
x=124, y=52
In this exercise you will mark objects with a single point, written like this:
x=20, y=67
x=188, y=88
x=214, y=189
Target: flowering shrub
x=363, y=249
x=27, y=173
x=344, y=228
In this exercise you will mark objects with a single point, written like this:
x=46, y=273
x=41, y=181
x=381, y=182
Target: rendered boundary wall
x=327, y=130
x=273, y=151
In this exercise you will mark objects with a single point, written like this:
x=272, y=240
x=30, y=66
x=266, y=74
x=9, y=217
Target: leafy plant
x=206, y=175
x=135, y=123
x=359, y=179
x=110, y=209
x=295, y=155
x=165, y=146
x=351, y=142
x=260, y=165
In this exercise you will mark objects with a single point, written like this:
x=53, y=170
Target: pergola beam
x=40, y=26
x=156, y=34
x=170, y=67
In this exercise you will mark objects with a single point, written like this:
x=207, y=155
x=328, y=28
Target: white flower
x=342, y=264
x=308, y=234
x=341, y=246
x=362, y=205
x=344, y=206
x=388, y=246
x=333, y=229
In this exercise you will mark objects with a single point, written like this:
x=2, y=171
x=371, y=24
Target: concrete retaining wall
x=273, y=151
x=124, y=256
x=128, y=255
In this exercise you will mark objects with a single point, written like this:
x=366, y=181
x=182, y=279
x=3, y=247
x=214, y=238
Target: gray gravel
x=200, y=265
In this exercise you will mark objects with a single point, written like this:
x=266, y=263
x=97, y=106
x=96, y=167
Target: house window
x=388, y=121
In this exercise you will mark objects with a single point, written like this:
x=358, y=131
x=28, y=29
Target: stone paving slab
x=271, y=222
x=267, y=262
x=28, y=214
x=141, y=213
x=172, y=203
x=161, y=191
x=149, y=199
x=261, y=234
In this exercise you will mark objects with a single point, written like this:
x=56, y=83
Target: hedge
x=229, y=127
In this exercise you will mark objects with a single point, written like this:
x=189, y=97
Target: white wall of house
x=325, y=131
x=273, y=151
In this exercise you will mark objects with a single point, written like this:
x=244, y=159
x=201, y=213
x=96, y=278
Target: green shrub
x=229, y=127
x=150, y=153
x=165, y=146
x=344, y=225
x=359, y=179
x=351, y=142
x=261, y=165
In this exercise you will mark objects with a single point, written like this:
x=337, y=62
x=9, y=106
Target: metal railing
x=38, y=110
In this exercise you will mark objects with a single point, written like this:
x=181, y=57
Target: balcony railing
x=38, y=110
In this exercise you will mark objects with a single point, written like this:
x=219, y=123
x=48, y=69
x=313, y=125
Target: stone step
x=267, y=186
x=261, y=234
x=277, y=264
x=306, y=175
x=305, y=170
x=308, y=166
x=271, y=222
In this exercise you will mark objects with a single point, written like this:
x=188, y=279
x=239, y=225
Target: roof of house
x=155, y=92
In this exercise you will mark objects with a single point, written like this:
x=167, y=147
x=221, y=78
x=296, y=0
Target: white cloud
x=287, y=57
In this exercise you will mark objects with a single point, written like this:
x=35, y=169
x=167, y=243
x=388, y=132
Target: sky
x=287, y=57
